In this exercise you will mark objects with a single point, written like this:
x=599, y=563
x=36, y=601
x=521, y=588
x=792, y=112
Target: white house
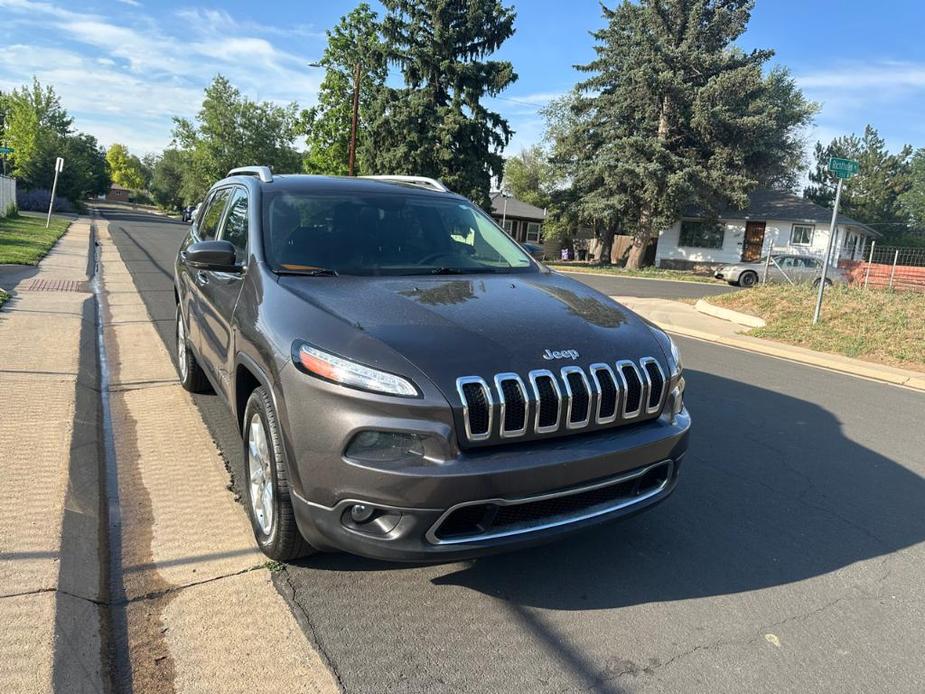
x=784, y=222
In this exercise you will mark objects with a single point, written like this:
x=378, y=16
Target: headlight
x=677, y=368
x=349, y=373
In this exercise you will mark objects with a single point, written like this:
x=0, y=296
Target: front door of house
x=754, y=241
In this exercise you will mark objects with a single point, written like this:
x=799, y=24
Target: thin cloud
x=885, y=76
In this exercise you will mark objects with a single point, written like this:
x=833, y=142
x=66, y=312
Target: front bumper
x=602, y=469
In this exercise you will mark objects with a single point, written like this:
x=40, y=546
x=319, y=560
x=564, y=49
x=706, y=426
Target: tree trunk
x=642, y=237
x=606, y=238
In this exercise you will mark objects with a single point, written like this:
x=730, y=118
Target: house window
x=802, y=234
x=533, y=232
x=508, y=226
x=700, y=234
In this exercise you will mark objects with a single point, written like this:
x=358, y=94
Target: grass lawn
x=867, y=324
x=650, y=272
x=3, y=297
x=24, y=240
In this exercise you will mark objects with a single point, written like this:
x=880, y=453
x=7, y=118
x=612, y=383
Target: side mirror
x=218, y=256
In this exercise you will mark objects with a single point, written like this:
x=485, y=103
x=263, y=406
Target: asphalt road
x=790, y=559
x=612, y=285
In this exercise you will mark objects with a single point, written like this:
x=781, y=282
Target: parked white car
x=797, y=269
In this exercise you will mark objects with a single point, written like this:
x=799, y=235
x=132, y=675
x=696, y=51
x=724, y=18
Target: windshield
x=384, y=234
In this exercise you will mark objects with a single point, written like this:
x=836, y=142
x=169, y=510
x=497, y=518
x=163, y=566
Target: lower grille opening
x=471, y=522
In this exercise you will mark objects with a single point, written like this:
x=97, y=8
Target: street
x=789, y=559
x=638, y=286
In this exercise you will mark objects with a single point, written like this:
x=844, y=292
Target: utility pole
x=351, y=162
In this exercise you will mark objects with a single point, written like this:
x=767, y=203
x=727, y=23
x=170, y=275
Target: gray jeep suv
x=409, y=383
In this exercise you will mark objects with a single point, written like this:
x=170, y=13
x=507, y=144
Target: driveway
x=613, y=285
x=789, y=559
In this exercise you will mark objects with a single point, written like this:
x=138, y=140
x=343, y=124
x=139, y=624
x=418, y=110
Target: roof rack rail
x=261, y=172
x=420, y=181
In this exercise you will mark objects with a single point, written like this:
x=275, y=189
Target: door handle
x=201, y=277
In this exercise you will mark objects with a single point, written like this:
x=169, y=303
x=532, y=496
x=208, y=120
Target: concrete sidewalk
x=681, y=318
x=51, y=592
x=196, y=608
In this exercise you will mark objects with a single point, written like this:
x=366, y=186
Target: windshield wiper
x=308, y=272
x=447, y=271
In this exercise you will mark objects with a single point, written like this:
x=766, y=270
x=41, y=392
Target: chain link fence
x=887, y=267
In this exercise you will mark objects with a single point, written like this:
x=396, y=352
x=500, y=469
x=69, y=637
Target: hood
x=484, y=324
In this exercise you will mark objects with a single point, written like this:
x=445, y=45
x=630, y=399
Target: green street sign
x=6, y=150
x=843, y=168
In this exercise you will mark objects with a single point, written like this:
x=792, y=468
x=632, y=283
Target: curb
x=728, y=314
x=559, y=268
x=855, y=367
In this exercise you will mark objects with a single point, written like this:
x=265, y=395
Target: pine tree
x=437, y=125
x=354, y=43
x=674, y=114
x=874, y=195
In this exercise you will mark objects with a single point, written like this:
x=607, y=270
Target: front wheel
x=269, y=503
x=192, y=377
x=748, y=279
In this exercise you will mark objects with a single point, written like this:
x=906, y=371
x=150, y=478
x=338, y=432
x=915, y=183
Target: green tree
x=125, y=168
x=166, y=179
x=436, y=125
x=355, y=43
x=231, y=130
x=33, y=115
x=673, y=114
x=913, y=199
x=874, y=195
x=85, y=173
x=528, y=176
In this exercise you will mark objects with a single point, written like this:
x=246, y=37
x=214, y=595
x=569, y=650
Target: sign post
x=843, y=169
x=59, y=167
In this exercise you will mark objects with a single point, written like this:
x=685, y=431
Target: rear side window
x=208, y=227
x=235, y=231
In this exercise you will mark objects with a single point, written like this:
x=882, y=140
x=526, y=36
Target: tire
x=828, y=282
x=748, y=279
x=192, y=377
x=265, y=467
x=732, y=283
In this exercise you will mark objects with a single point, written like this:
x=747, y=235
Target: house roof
x=764, y=203
x=515, y=208
x=118, y=187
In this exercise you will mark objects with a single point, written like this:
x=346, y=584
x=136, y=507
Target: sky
x=124, y=68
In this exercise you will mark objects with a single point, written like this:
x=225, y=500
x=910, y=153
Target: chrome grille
x=572, y=399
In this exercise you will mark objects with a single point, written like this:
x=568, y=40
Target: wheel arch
x=248, y=376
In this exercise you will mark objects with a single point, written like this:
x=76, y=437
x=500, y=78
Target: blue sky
x=124, y=67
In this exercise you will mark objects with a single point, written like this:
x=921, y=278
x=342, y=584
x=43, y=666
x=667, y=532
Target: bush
x=37, y=201
x=11, y=211
x=139, y=197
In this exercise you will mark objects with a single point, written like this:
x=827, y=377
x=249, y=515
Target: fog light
x=360, y=513
x=385, y=446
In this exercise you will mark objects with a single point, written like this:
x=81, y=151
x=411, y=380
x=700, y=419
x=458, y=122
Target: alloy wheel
x=259, y=474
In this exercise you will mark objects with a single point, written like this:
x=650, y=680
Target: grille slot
x=578, y=392
x=656, y=384
x=632, y=387
x=514, y=404
x=607, y=393
x=548, y=399
x=477, y=407
x=499, y=518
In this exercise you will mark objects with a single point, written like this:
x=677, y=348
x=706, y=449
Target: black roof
x=515, y=208
x=764, y=204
